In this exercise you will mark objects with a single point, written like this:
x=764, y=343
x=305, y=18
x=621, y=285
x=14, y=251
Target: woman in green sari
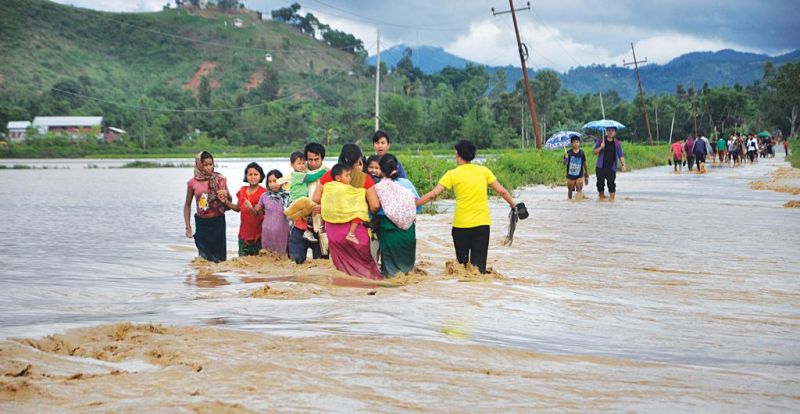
x=396, y=230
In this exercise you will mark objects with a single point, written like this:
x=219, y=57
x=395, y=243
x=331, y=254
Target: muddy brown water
x=682, y=295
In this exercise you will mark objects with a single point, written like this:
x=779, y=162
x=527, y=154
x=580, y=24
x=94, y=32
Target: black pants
x=699, y=158
x=298, y=247
x=472, y=245
x=689, y=161
x=602, y=176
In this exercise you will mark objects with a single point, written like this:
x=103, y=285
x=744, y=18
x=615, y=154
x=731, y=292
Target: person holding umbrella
x=608, y=150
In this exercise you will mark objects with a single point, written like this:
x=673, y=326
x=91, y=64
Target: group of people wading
x=360, y=213
x=737, y=149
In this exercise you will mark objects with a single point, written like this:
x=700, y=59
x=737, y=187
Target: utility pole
x=602, y=108
x=378, y=85
x=671, y=128
x=635, y=64
x=523, y=54
x=522, y=123
x=658, y=136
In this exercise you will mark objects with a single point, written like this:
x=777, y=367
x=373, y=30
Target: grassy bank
x=517, y=169
x=794, y=156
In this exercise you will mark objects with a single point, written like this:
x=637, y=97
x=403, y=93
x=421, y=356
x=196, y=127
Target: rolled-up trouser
x=606, y=176
x=699, y=159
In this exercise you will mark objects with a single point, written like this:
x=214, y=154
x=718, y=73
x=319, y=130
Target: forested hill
x=62, y=60
x=722, y=68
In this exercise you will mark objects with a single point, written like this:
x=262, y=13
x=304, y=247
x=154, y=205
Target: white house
x=17, y=129
x=69, y=124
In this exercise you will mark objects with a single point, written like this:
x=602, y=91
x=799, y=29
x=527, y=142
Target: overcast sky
x=559, y=33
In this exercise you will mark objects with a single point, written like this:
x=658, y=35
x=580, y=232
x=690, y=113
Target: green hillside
x=44, y=42
x=61, y=60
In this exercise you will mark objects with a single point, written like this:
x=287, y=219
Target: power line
x=555, y=37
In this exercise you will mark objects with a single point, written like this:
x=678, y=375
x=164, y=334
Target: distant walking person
x=608, y=150
x=689, y=147
x=678, y=155
x=577, y=171
x=721, y=147
x=752, y=148
x=700, y=150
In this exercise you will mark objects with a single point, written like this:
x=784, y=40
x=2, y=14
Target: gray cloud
x=595, y=31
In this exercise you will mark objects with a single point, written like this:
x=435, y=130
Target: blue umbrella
x=603, y=124
x=560, y=139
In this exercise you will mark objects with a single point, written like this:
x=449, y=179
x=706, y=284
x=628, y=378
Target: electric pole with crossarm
x=523, y=55
x=635, y=64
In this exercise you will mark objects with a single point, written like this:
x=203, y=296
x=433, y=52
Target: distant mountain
x=724, y=67
x=429, y=59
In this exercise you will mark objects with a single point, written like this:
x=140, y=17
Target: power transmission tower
x=635, y=64
x=523, y=55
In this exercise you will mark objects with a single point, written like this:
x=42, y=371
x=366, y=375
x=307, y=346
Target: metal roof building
x=45, y=123
x=17, y=129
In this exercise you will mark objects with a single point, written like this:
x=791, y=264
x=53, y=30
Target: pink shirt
x=201, y=197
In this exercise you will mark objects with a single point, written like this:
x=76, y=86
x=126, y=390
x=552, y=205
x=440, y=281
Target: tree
x=343, y=41
x=204, y=92
x=444, y=118
x=286, y=14
x=308, y=24
x=500, y=84
x=781, y=96
x=228, y=4
x=401, y=116
x=405, y=66
x=546, y=84
x=267, y=90
x=478, y=126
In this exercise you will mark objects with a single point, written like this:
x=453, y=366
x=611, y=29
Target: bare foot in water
x=352, y=238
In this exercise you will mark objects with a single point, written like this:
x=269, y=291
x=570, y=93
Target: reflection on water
x=683, y=269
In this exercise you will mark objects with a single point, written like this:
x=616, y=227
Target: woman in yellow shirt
x=471, y=219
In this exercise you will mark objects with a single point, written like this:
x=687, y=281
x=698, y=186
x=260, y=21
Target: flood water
x=698, y=274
